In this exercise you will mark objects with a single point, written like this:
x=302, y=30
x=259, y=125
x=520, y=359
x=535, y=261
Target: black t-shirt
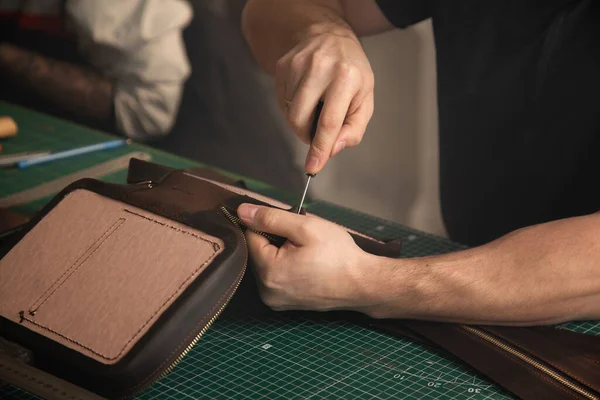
x=519, y=110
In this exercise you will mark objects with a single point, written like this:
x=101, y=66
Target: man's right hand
x=332, y=67
x=312, y=48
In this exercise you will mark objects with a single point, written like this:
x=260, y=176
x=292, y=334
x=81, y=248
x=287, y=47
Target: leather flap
x=144, y=171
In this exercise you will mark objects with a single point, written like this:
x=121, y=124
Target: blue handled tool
x=73, y=152
x=11, y=160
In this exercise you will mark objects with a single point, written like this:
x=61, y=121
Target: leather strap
x=549, y=345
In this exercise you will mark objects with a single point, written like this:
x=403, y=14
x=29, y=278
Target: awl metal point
x=313, y=131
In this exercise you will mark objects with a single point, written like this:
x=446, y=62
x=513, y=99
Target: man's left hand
x=318, y=268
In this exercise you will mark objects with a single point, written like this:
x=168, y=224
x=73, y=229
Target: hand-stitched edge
x=98, y=243
x=106, y=357
x=170, y=226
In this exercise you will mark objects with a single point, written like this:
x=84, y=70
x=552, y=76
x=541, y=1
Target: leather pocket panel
x=102, y=274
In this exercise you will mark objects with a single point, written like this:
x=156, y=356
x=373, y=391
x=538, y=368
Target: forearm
x=274, y=27
x=75, y=90
x=542, y=274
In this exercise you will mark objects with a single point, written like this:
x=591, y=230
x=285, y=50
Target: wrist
x=335, y=27
x=395, y=288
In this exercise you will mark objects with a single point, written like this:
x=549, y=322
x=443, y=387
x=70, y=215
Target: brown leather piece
x=241, y=191
x=99, y=273
x=553, y=350
x=142, y=171
x=587, y=345
x=185, y=195
x=216, y=176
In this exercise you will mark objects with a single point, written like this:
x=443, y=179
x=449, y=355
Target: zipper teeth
x=239, y=222
x=536, y=364
x=196, y=339
x=200, y=334
x=233, y=219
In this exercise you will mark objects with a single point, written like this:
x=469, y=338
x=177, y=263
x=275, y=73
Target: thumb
x=275, y=221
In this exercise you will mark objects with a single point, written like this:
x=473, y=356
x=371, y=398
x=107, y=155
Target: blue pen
x=73, y=152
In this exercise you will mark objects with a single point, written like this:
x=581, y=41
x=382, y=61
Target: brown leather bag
x=110, y=285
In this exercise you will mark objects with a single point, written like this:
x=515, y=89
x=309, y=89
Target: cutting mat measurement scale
x=445, y=383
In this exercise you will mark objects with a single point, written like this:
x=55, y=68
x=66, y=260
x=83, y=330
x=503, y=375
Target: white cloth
x=139, y=44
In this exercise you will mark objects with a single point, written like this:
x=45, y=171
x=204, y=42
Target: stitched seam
x=150, y=376
x=549, y=362
x=170, y=226
x=106, y=357
x=79, y=262
x=187, y=338
x=38, y=382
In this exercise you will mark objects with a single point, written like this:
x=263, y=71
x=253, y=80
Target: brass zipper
x=213, y=319
x=200, y=334
x=218, y=313
x=549, y=371
x=236, y=220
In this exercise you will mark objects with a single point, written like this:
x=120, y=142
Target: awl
x=313, y=131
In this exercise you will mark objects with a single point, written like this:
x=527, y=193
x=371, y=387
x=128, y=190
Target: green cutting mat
x=278, y=355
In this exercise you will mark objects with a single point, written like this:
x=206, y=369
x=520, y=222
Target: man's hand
x=318, y=268
x=312, y=48
x=329, y=66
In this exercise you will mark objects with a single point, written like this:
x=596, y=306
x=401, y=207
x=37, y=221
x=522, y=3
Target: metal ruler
x=52, y=187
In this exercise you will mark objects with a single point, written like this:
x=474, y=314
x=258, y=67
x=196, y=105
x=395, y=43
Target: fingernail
x=339, y=146
x=312, y=163
x=247, y=211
